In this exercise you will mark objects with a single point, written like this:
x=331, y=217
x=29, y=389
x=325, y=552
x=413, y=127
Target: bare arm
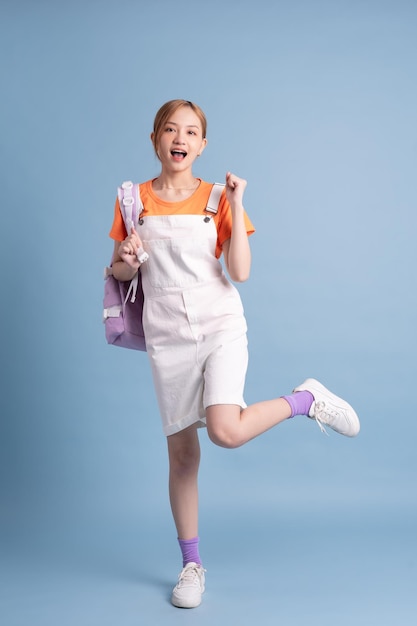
x=236, y=250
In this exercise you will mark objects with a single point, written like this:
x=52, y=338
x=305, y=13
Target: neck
x=177, y=182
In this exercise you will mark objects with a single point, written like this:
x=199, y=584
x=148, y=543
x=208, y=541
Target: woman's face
x=181, y=140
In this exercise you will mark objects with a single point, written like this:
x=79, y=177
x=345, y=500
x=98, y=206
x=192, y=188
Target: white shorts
x=191, y=376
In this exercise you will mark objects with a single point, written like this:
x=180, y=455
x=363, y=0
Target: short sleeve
x=118, y=229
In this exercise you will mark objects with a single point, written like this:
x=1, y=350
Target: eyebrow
x=188, y=126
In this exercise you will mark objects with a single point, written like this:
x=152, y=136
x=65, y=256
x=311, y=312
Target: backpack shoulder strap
x=131, y=207
x=130, y=203
x=214, y=198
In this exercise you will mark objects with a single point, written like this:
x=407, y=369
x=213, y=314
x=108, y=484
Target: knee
x=185, y=460
x=224, y=437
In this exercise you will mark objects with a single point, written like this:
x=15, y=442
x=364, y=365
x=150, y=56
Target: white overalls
x=193, y=320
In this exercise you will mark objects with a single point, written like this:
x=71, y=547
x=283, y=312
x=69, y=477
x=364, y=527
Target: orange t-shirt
x=193, y=205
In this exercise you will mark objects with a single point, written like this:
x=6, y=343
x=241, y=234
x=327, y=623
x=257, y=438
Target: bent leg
x=184, y=461
x=229, y=426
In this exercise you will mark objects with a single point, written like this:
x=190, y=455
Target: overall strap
x=214, y=198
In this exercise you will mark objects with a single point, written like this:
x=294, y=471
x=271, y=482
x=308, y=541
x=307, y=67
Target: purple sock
x=300, y=402
x=189, y=549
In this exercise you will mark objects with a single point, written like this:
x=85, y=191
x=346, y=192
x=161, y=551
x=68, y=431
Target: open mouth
x=178, y=155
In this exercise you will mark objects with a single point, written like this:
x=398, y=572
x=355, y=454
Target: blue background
x=315, y=104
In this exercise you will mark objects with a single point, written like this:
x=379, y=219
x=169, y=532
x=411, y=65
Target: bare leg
x=230, y=427
x=184, y=461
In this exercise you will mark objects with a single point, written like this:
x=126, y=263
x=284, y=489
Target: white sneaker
x=330, y=410
x=190, y=587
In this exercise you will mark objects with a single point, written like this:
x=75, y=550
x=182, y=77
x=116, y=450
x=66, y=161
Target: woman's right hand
x=128, y=249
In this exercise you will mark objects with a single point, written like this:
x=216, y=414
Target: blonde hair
x=165, y=113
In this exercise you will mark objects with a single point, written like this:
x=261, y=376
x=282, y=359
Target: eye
x=169, y=129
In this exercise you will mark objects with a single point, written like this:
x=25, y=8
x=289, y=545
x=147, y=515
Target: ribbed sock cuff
x=190, y=550
x=300, y=402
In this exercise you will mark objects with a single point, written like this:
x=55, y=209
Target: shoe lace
x=190, y=577
x=322, y=414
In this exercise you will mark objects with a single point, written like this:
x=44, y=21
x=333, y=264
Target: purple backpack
x=123, y=300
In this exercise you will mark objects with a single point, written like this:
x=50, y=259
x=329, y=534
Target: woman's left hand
x=235, y=188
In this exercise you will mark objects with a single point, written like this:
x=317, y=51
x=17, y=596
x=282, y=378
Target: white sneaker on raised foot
x=331, y=410
x=190, y=587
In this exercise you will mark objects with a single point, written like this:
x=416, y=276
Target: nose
x=179, y=137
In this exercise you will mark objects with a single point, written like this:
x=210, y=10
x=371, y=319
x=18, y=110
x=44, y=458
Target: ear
x=155, y=148
x=203, y=145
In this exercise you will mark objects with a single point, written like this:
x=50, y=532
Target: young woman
x=194, y=323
